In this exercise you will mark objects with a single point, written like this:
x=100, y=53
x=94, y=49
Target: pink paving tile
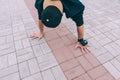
x=51, y=35
x=69, y=64
x=97, y=72
x=62, y=30
x=74, y=72
x=92, y=59
x=68, y=40
x=56, y=43
x=63, y=54
x=83, y=77
x=84, y=62
x=106, y=77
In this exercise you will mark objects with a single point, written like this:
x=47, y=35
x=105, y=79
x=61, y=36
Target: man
x=50, y=14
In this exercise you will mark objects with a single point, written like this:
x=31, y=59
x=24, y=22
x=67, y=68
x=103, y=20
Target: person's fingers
x=34, y=36
x=40, y=37
x=82, y=49
x=85, y=49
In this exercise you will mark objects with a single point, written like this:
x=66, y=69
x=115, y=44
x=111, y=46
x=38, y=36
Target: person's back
x=56, y=3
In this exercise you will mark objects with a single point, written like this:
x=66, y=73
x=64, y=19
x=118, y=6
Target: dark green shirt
x=71, y=7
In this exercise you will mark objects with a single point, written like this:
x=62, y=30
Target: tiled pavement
x=54, y=57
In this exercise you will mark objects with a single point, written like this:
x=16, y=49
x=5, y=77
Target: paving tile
x=33, y=65
x=18, y=45
x=2, y=40
x=62, y=31
x=45, y=48
x=90, y=32
x=112, y=70
x=63, y=54
x=12, y=59
x=105, y=41
x=110, y=36
x=9, y=38
x=74, y=72
x=3, y=62
x=83, y=77
x=47, y=75
x=7, y=45
x=24, y=51
x=36, y=41
x=8, y=70
x=25, y=57
x=97, y=72
x=50, y=35
x=118, y=58
x=111, y=50
x=91, y=58
x=56, y=44
x=58, y=73
x=7, y=50
x=24, y=70
x=67, y=65
x=106, y=57
x=46, y=61
x=69, y=39
x=37, y=50
x=116, y=63
x=106, y=77
x=116, y=48
x=14, y=76
x=25, y=43
x=20, y=35
x=117, y=42
x=34, y=77
x=84, y=63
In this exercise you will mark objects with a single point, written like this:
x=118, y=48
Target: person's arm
x=41, y=27
x=39, y=34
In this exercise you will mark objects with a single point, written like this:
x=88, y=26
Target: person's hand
x=38, y=35
x=84, y=49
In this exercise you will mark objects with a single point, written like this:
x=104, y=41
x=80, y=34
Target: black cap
x=51, y=16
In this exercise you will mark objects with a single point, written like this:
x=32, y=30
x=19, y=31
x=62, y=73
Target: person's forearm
x=41, y=26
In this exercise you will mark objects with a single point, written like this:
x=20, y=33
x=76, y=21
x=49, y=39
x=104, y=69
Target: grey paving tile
x=58, y=73
x=47, y=75
x=111, y=50
x=7, y=50
x=3, y=62
x=24, y=51
x=3, y=40
x=25, y=43
x=12, y=59
x=25, y=57
x=33, y=65
x=34, y=77
x=46, y=61
x=116, y=64
x=106, y=57
x=112, y=70
x=18, y=45
x=8, y=70
x=45, y=48
x=14, y=76
x=24, y=70
x=20, y=35
x=9, y=38
x=37, y=50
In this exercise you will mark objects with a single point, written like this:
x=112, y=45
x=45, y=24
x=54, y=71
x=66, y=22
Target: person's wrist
x=83, y=42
